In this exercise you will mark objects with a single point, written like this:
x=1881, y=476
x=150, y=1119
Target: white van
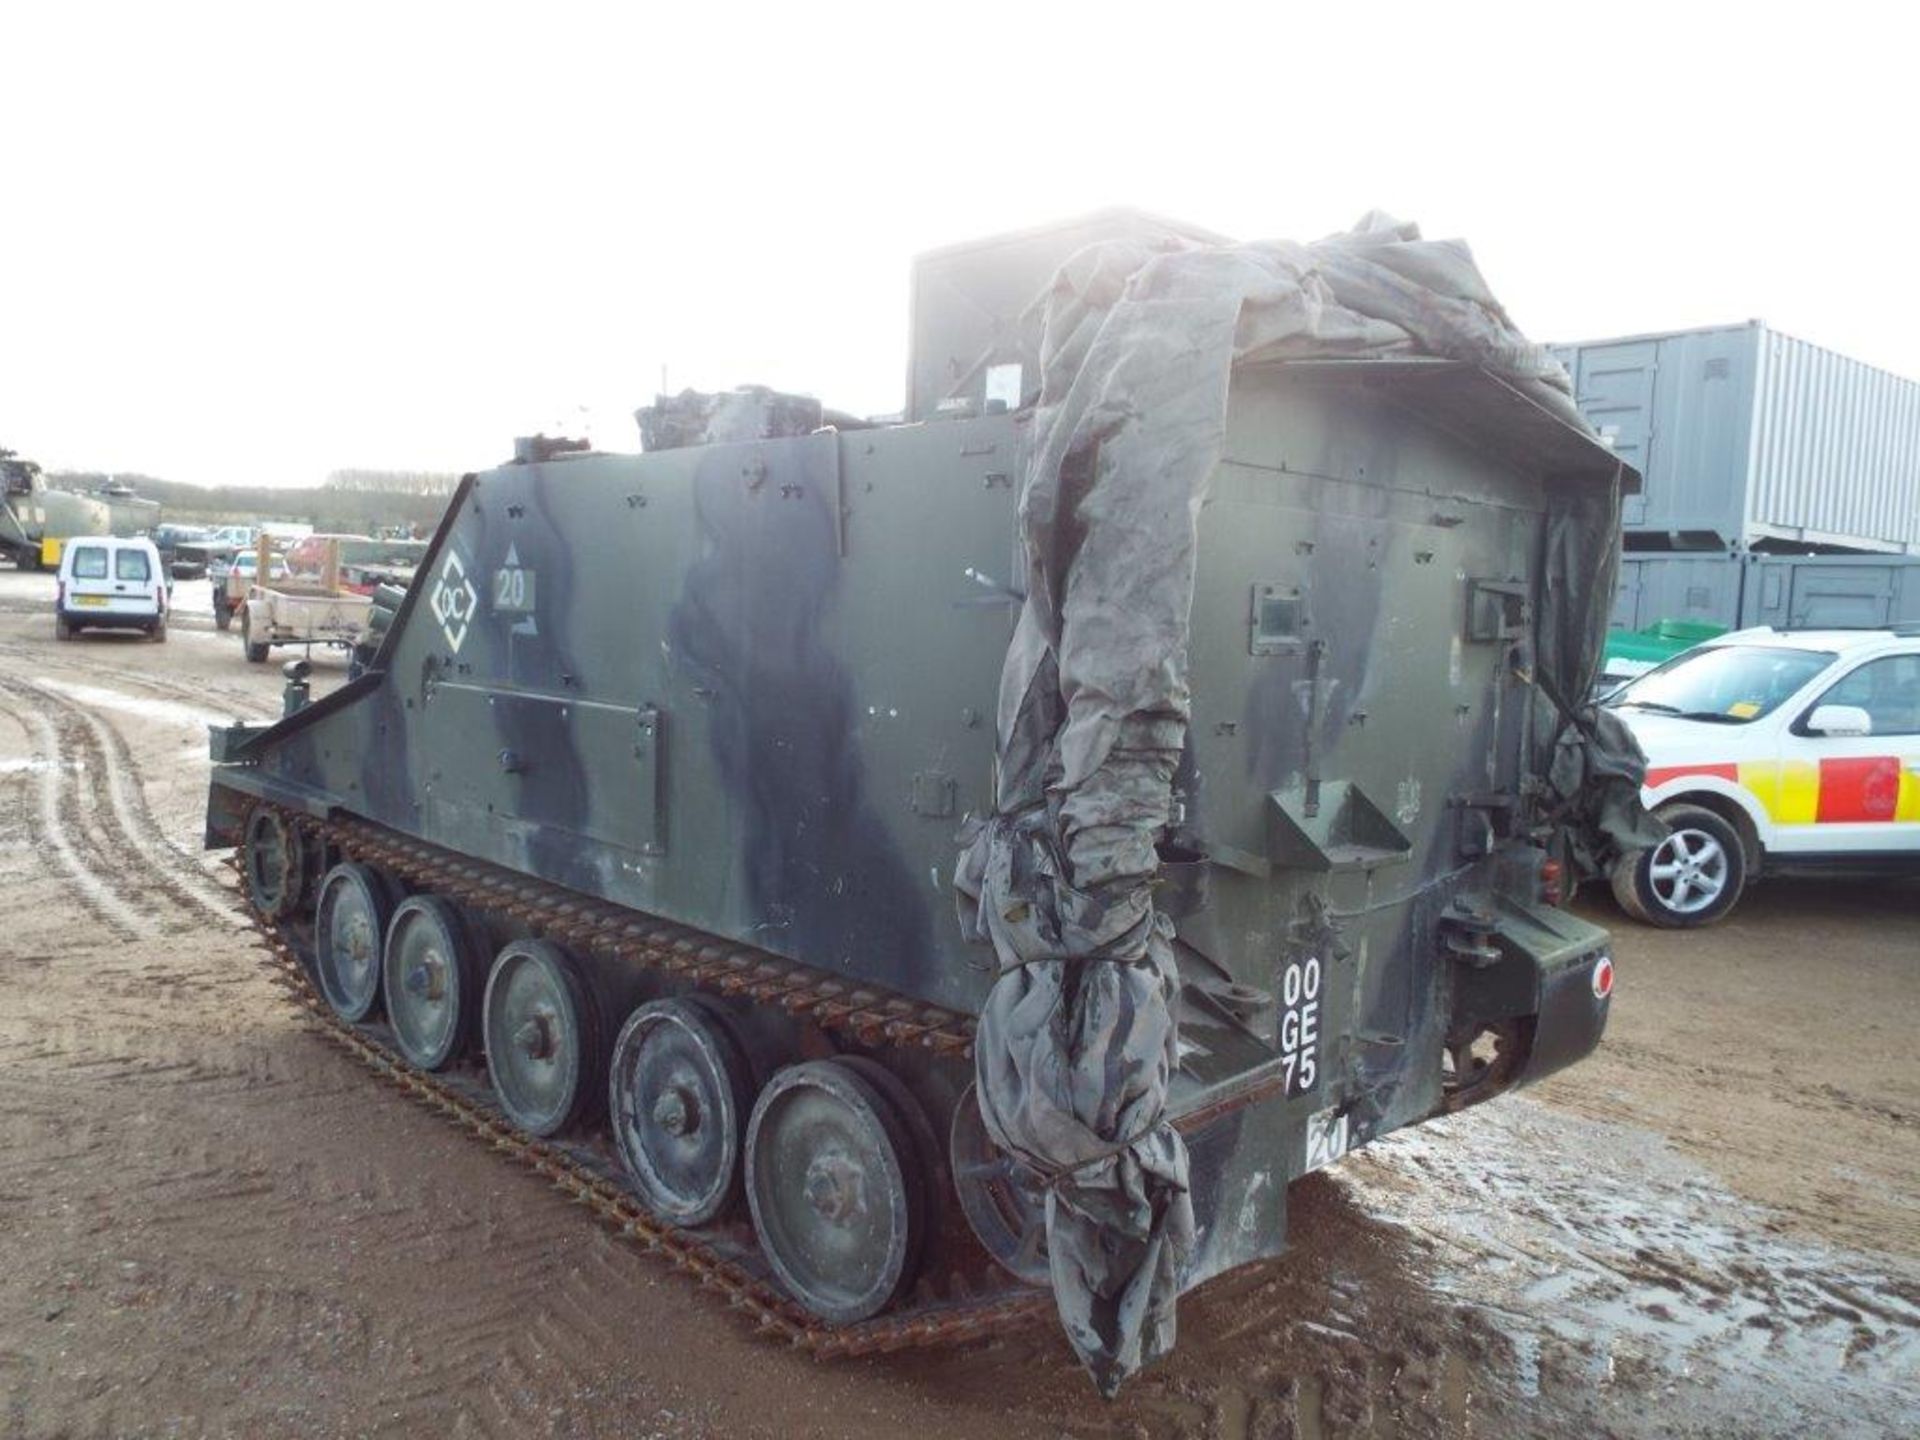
x=110, y=583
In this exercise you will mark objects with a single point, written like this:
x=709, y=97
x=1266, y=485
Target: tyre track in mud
x=53, y=813
x=201, y=694
x=96, y=821
x=536, y=1322
x=94, y=832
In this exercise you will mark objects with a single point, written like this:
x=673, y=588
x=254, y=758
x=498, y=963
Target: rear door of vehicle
x=135, y=583
x=90, y=579
x=1868, y=800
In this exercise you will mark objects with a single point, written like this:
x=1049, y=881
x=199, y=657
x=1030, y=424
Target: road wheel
x=546, y=1046
x=350, y=924
x=838, y=1188
x=435, y=970
x=679, y=1094
x=222, y=617
x=1691, y=878
x=159, y=632
x=257, y=654
x=274, y=863
x=62, y=628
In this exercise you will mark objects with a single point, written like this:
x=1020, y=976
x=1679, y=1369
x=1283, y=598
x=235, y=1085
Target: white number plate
x=1300, y=986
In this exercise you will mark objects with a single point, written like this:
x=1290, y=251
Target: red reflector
x=1550, y=882
x=1602, y=977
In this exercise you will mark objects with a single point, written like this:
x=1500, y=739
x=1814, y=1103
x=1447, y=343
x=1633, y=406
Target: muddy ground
x=212, y=1222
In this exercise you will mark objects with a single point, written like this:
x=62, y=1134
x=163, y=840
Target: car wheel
x=159, y=632
x=62, y=628
x=222, y=617
x=1691, y=878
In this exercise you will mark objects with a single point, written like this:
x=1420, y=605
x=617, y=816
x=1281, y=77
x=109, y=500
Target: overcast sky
x=258, y=244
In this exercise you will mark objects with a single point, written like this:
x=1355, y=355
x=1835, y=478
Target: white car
x=1774, y=750
x=110, y=583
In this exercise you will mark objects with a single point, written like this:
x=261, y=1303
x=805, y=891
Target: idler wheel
x=274, y=862
x=350, y=924
x=1003, y=1199
x=546, y=1048
x=434, y=972
x=679, y=1094
x=837, y=1188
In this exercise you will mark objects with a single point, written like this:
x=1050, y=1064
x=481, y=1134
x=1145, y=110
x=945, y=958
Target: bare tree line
x=352, y=501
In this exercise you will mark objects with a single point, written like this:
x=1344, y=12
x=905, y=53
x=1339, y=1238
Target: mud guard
x=1540, y=967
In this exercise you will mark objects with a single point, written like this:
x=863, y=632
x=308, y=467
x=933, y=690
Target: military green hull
x=750, y=689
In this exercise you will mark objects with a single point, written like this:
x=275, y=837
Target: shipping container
x=1748, y=437
x=1789, y=591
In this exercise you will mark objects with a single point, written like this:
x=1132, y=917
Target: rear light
x=1603, y=977
x=1550, y=892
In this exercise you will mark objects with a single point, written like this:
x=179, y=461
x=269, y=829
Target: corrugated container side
x=1835, y=450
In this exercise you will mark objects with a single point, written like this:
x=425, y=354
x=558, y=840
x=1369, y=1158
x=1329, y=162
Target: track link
x=868, y=1015
x=966, y=1313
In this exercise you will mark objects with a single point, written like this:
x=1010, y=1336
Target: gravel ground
x=212, y=1222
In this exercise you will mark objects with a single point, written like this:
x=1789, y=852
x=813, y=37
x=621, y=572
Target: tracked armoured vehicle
x=637, y=843
x=35, y=516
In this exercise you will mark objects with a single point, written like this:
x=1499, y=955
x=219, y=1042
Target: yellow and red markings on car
x=1847, y=789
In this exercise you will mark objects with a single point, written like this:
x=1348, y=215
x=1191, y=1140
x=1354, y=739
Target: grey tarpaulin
x=1596, y=766
x=1076, y=1045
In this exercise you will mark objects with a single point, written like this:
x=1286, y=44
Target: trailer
x=303, y=610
